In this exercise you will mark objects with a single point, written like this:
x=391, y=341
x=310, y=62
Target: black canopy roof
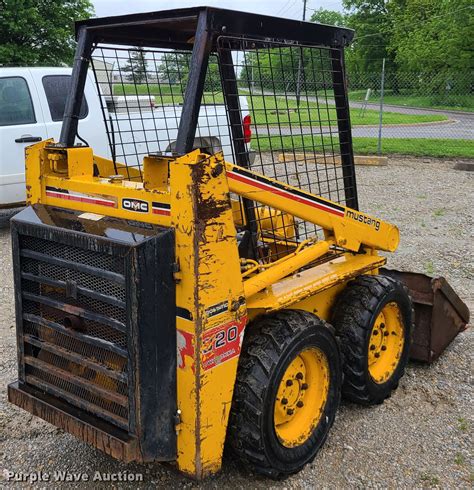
x=176, y=28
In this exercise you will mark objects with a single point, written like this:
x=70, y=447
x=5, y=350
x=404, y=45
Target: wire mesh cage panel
x=298, y=135
x=276, y=108
x=142, y=102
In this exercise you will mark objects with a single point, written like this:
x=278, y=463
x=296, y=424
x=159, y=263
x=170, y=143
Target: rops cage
x=276, y=105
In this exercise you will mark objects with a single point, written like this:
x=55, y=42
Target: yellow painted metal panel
x=211, y=292
x=291, y=290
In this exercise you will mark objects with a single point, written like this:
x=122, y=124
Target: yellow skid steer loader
x=214, y=280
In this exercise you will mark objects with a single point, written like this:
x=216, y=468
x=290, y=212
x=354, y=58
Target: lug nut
x=386, y=333
x=377, y=354
x=382, y=325
x=284, y=401
x=384, y=347
x=372, y=347
x=290, y=411
x=300, y=404
x=289, y=382
x=299, y=376
x=304, y=386
x=375, y=332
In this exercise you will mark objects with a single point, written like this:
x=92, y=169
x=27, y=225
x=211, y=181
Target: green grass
x=429, y=268
x=429, y=478
x=277, y=110
x=463, y=424
x=459, y=459
x=452, y=102
x=430, y=147
x=285, y=112
x=438, y=148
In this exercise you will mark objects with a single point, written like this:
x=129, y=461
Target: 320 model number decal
x=222, y=343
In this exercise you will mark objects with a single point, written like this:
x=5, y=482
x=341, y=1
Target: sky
x=292, y=9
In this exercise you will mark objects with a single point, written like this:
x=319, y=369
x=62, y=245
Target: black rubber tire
x=6, y=215
x=271, y=343
x=354, y=315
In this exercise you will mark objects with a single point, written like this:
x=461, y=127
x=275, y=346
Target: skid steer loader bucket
x=439, y=313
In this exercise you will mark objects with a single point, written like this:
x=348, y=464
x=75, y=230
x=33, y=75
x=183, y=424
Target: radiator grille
x=75, y=326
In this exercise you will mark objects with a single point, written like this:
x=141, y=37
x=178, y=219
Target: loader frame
x=219, y=288
x=213, y=306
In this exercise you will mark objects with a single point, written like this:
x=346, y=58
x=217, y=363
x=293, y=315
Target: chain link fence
x=416, y=113
x=421, y=114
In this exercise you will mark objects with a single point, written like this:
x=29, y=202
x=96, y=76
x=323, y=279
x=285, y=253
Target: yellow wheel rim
x=301, y=397
x=386, y=343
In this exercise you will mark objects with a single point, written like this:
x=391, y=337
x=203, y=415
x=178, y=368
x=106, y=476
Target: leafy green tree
x=373, y=24
x=136, y=66
x=433, y=35
x=36, y=32
x=174, y=69
x=329, y=17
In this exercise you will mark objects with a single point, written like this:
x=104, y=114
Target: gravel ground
x=420, y=437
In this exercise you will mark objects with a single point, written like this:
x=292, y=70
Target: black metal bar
x=75, y=310
x=78, y=80
x=75, y=400
x=110, y=276
x=77, y=358
x=87, y=339
x=344, y=127
x=195, y=87
x=231, y=97
x=152, y=346
x=236, y=23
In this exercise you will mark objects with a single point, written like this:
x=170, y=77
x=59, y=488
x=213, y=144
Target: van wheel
x=286, y=394
x=373, y=319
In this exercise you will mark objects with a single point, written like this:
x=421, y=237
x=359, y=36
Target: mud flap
x=439, y=313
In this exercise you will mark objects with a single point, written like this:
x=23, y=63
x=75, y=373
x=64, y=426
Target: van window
x=16, y=106
x=57, y=89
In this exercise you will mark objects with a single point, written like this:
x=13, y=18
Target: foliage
x=329, y=17
x=432, y=36
x=36, y=32
x=373, y=25
x=174, y=70
x=136, y=66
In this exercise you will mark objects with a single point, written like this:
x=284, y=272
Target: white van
x=32, y=104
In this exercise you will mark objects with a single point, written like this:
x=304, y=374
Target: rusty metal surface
x=439, y=313
x=97, y=433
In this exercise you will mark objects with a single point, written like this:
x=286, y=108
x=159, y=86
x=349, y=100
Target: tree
x=373, y=23
x=174, y=69
x=329, y=17
x=136, y=66
x=36, y=32
x=433, y=36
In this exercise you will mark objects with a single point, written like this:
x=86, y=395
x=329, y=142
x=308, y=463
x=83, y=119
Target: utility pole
x=300, y=64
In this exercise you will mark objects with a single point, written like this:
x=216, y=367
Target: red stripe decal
x=164, y=212
x=282, y=193
x=88, y=200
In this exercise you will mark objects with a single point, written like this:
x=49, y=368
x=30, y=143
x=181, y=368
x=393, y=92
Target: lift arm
x=351, y=228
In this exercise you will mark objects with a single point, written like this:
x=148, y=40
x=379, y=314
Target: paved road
x=460, y=127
